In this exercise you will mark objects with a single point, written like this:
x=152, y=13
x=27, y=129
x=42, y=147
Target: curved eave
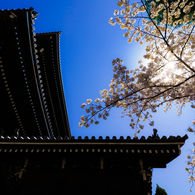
x=48, y=46
x=68, y=132
x=18, y=61
x=154, y=153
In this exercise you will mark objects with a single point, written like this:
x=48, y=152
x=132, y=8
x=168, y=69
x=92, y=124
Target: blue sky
x=88, y=45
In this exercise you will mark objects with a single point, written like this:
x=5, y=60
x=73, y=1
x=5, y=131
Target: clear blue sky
x=88, y=46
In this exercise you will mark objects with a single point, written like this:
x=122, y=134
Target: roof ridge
x=93, y=138
x=53, y=32
x=18, y=9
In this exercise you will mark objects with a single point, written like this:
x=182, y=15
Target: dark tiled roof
x=155, y=151
x=95, y=139
x=3, y=10
x=49, y=33
x=26, y=96
x=49, y=60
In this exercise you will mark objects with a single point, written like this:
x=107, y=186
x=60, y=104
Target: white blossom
x=83, y=105
x=89, y=101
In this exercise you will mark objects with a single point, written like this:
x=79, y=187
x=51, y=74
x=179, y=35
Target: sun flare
x=169, y=73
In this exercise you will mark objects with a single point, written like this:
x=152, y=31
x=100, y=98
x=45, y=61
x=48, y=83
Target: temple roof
x=154, y=151
x=32, y=95
x=93, y=139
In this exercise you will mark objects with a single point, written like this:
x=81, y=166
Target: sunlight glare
x=170, y=71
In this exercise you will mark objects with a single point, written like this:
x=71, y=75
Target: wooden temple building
x=38, y=155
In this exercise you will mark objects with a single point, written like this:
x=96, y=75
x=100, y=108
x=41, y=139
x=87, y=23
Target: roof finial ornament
x=155, y=135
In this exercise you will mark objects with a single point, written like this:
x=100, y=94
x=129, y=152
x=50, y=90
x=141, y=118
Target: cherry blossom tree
x=167, y=79
x=159, y=18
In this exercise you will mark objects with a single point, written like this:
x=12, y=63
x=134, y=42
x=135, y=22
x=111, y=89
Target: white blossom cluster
x=191, y=170
x=141, y=91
